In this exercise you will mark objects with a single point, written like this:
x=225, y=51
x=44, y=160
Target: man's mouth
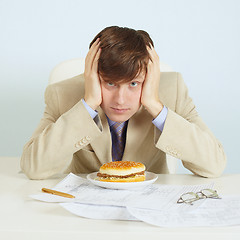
x=119, y=110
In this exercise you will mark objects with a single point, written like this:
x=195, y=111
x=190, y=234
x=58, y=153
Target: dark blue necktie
x=118, y=140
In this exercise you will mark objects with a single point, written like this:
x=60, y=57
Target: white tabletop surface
x=24, y=218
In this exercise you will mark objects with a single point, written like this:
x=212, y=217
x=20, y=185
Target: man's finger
x=95, y=62
x=150, y=51
x=154, y=58
x=91, y=55
x=93, y=50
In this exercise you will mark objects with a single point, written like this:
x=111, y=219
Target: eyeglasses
x=191, y=197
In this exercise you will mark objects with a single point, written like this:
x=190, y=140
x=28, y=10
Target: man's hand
x=93, y=92
x=150, y=91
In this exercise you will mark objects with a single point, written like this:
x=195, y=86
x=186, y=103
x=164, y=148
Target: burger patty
x=103, y=175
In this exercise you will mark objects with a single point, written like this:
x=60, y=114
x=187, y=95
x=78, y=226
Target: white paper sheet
x=98, y=211
x=213, y=212
x=70, y=182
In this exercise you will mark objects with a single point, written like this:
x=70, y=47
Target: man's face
x=121, y=101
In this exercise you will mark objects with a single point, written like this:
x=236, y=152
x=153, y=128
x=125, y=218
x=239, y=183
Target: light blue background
x=200, y=39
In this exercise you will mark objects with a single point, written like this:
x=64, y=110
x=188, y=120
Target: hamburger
x=122, y=171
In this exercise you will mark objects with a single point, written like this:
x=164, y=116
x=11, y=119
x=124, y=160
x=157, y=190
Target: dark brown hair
x=123, y=53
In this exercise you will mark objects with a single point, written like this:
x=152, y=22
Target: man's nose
x=120, y=95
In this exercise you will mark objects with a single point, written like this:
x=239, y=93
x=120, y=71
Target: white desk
x=24, y=218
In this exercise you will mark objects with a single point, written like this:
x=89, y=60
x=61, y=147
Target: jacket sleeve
x=57, y=138
x=186, y=137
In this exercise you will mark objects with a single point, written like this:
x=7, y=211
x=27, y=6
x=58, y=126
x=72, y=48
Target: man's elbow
x=31, y=171
x=208, y=171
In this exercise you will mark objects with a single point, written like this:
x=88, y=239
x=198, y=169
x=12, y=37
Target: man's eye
x=110, y=84
x=133, y=84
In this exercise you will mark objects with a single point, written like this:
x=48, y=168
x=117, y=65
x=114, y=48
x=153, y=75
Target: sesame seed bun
x=122, y=171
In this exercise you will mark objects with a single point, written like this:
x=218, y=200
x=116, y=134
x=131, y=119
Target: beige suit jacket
x=68, y=139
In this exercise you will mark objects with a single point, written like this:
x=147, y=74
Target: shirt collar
x=110, y=122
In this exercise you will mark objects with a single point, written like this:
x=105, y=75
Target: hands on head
x=149, y=94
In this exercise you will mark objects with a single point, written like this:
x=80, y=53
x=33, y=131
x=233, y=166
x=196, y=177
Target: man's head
x=122, y=67
x=123, y=53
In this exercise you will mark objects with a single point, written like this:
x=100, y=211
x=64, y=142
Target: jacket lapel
x=138, y=127
x=103, y=146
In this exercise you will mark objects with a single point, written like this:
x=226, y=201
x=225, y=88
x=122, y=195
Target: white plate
x=150, y=178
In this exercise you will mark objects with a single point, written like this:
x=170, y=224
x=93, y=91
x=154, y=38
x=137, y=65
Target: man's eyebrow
x=139, y=79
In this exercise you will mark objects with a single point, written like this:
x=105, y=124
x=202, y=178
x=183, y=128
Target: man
x=122, y=86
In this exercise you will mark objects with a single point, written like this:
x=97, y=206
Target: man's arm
x=50, y=150
x=58, y=137
x=184, y=136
